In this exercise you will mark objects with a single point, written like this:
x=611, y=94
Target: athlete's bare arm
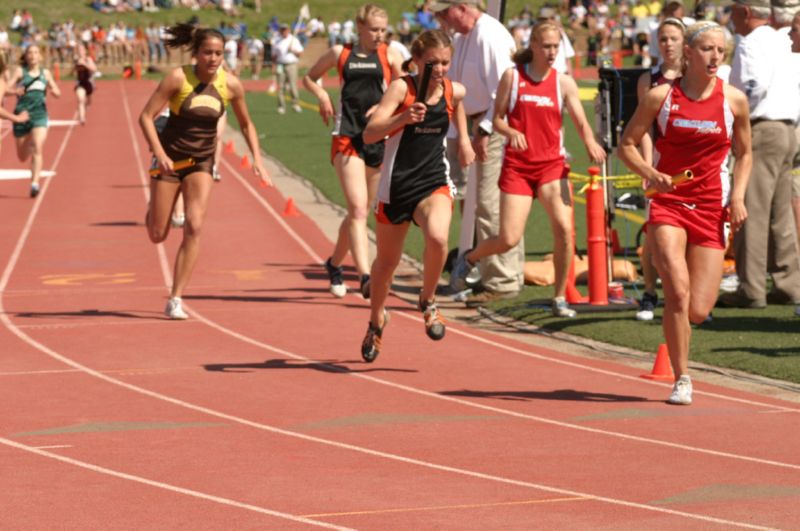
x=573, y=102
x=51, y=84
x=383, y=121
x=466, y=155
x=628, y=152
x=646, y=144
x=169, y=86
x=236, y=91
x=326, y=61
x=742, y=148
x=502, y=102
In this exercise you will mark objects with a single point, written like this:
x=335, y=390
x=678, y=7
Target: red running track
x=258, y=412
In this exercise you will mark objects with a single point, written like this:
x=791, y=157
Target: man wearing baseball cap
x=482, y=53
x=767, y=243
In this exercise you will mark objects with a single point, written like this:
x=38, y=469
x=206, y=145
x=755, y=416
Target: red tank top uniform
x=535, y=111
x=415, y=163
x=363, y=80
x=694, y=135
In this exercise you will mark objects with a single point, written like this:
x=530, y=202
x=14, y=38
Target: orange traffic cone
x=245, y=165
x=291, y=210
x=229, y=147
x=662, y=370
x=56, y=71
x=615, y=245
x=574, y=296
x=137, y=69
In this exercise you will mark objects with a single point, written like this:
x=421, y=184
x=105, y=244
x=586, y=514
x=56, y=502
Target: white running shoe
x=729, y=283
x=174, y=309
x=560, y=308
x=281, y=110
x=681, y=391
x=296, y=107
x=178, y=220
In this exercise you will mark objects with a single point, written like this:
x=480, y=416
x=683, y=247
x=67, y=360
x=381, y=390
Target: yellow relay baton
x=177, y=166
x=679, y=179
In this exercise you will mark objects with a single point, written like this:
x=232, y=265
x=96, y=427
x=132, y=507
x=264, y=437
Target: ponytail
x=183, y=34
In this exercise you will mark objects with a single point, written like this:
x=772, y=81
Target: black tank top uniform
x=364, y=79
x=415, y=163
x=657, y=78
x=85, y=80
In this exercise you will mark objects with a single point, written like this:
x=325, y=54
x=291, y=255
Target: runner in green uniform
x=32, y=82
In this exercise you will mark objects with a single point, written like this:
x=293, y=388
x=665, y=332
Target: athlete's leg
x=705, y=274
x=38, y=136
x=353, y=177
x=514, y=210
x=556, y=200
x=433, y=215
x=80, y=92
x=196, y=190
x=390, y=239
x=24, y=145
x=669, y=252
x=163, y=194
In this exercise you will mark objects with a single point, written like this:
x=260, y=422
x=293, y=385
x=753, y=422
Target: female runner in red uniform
x=197, y=95
x=670, y=44
x=530, y=95
x=696, y=118
x=365, y=70
x=415, y=183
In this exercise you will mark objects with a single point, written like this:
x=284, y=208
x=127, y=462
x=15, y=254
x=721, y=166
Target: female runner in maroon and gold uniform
x=197, y=95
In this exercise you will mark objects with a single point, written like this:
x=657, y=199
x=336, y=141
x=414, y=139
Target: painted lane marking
x=80, y=279
x=166, y=486
x=21, y=174
x=53, y=447
x=449, y=507
x=106, y=427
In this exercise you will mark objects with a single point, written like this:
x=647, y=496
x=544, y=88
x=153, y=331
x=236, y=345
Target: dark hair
x=183, y=34
x=425, y=40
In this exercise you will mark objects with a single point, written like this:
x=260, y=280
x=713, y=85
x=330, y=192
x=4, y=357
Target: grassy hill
x=47, y=11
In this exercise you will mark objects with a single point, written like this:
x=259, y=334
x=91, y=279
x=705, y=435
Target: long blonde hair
x=525, y=55
x=370, y=10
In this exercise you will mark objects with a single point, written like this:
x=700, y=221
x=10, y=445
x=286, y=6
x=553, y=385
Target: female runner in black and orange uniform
x=365, y=70
x=415, y=182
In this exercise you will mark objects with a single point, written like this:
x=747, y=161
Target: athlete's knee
x=358, y=213
x=507, y=241
x=437, y=239
x=698, y=314
x=156, y=234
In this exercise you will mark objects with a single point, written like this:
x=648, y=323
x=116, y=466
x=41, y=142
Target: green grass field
x=764, y=342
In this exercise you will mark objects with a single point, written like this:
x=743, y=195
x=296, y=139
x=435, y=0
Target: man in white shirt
x=286, y=50
x=483, y=50
x=767, y=243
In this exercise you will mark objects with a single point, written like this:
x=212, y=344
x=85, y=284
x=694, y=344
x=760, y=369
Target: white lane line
x=53, y=446
x=166, y=486
x=19, y=333
x=316, y=258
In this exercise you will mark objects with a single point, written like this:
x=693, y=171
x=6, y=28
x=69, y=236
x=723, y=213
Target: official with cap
x=767, y=243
